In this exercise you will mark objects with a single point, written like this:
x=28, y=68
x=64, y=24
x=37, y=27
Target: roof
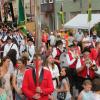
x=81, y=21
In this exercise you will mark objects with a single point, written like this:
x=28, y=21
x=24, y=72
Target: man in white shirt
x=52, y=39
x=79, y=36
x=9, y=45
x=18, y=36
x=30, y=49
x=86, y=40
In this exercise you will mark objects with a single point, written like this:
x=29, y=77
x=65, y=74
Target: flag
x=89, y=11
x=21, y=14
x=24, y=30
x=11, y=10
x=21, y=18
x=61, y=14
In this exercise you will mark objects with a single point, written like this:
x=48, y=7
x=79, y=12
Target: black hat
x=59, y=42
x=71, y=45
x=94, y=37
x=30, y=39
x=86, y=49
x=9, y=38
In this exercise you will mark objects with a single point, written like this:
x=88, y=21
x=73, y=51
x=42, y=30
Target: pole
x=38, y=33
x=31, y=8
x=62, y=3
x=0, y=13
x=89, y=14
x=81, y=6
x=89, y=29
x=38, y=23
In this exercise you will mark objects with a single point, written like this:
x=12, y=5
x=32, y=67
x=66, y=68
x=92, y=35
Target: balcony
x=47, y=7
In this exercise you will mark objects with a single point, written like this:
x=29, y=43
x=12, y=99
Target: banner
x=61, y=14
x=89, y=11
x=21, y=18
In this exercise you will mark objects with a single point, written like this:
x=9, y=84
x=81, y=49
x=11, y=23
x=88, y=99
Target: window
x=50, y=1
x=46, y=1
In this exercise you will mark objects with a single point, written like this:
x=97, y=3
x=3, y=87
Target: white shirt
x=18, y=38
x=70, y=62
x=7, y=47
x=54, y=52
x=52, y=40
x=79, y=36
x=22, y=46
x=31, y=51
x=87, y=95
x=96, y=96
x=55, y=73
x=87, y=41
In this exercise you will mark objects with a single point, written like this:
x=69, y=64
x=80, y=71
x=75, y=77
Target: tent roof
x=81, y=21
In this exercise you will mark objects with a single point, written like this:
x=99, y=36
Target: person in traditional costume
x=37, y=89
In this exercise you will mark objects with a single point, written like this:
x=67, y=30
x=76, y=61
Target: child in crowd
x=86, y=93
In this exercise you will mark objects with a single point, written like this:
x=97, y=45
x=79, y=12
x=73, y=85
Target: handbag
x=61, y=95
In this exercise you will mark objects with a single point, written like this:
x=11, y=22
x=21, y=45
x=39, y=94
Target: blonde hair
x=87, y=82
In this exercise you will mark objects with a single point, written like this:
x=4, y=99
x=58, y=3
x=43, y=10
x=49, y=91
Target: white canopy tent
x=81, y=21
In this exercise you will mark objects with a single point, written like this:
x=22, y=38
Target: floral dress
x=19, y=78
x=7, y=85
x=3, y=96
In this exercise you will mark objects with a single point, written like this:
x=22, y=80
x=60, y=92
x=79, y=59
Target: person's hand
x=57, y=90
x=36, y=96
x=28, y=63
x=51, y=97
x=19, y=91
x=38, y=90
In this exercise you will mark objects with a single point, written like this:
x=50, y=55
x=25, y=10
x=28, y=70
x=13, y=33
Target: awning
x=81, y=21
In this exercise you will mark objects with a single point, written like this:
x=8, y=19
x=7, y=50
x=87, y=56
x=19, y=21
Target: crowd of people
x=68, y=66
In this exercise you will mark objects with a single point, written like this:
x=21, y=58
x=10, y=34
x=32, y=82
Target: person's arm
x=25, y=85
x=66, y=87
x=15, y=85
x=54, y=52
x=70, y=62
x=0, y=73
x=80, y=66
x=57, y=61
x=5, y=51
x=79, y=97
x=80, y=69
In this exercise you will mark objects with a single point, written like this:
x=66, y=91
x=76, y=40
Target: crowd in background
x=72, y=58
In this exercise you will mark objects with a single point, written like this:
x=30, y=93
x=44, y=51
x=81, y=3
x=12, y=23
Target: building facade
x=50, y=9
x=47, y=15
